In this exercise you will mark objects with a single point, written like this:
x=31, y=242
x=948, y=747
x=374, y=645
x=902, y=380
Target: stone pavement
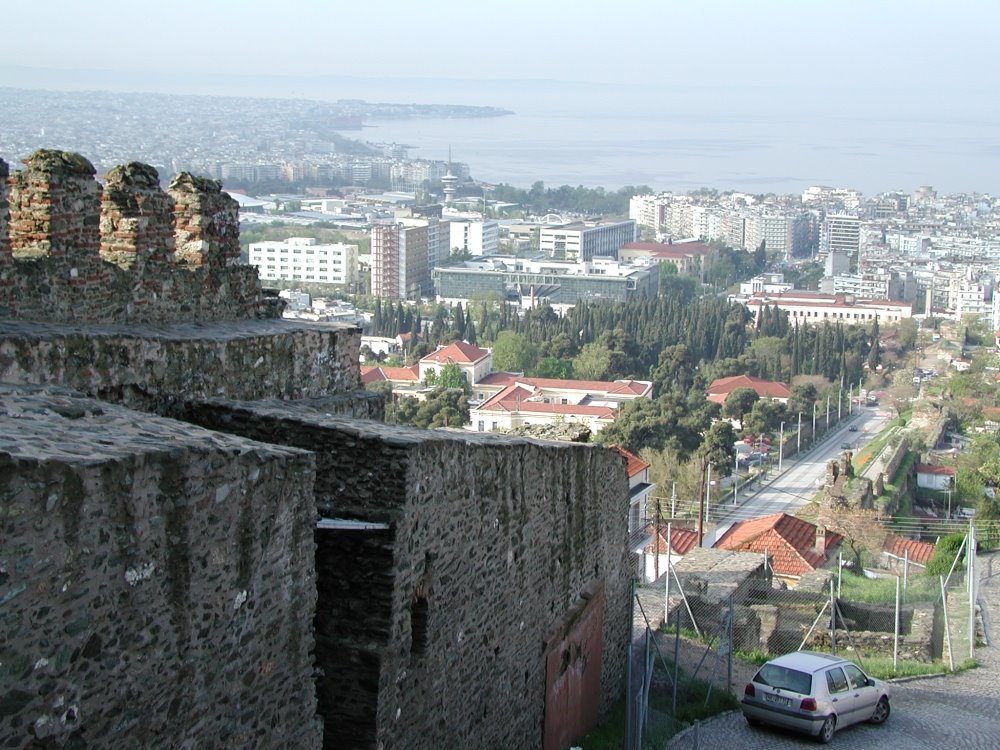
x=955, y=712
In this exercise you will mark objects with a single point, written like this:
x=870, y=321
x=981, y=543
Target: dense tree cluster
x=581, y=200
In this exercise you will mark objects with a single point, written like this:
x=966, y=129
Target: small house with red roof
x=640, y=492
x=794, y=545
x=677, y=539
x=935, y=477
x=526, y=401
x=899, y=552
x=398, y=376
x=474, y=362
x=720, y=388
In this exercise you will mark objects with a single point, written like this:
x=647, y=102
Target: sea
x=743, y=138
x=753, y=133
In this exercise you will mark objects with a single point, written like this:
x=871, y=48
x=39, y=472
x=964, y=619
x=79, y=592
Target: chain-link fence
x=690, y=623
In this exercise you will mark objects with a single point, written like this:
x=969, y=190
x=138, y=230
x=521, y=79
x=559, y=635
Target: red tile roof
x=948, y=471
x=374, y=374
x=635, y=464
x=790, y=541
x=911, y=549
x=457, y=351
x=681, y=540
x=722, y=387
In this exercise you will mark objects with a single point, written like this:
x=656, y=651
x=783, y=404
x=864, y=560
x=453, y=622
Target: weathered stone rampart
x=73, y=251
x=164, y=585
x=156, y=581
x=432, y=630
x=144, y=366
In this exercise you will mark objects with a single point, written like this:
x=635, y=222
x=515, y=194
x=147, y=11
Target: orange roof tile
x=634, y=463
x=399, y=374
x=457, y=351
x=911, y=549
x=681, y=540
x=764, y=388
x=789, y=541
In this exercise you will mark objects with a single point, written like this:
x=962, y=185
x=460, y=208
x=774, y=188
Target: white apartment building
x=583, y=240
x=649, y=210
x=841, y=234
x=302, y=259
x=474, y=237
x=880, y=286
x=769, y=283
x=813, y=308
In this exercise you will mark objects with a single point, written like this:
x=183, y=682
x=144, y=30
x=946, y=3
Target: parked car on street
x=845, y=446
x=814, y=693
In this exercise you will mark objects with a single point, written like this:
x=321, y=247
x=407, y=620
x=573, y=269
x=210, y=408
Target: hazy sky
x=797, y=43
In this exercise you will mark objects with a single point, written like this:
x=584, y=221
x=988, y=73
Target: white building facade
x=302, y=259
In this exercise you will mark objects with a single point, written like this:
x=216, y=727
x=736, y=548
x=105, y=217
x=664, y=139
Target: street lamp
x=798, y=439
x=828, y=412
x=840, y=403
x=814, y=424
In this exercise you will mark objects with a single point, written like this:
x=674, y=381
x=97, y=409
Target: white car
x=814, y=693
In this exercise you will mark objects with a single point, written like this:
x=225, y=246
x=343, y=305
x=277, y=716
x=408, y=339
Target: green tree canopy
x=739, y=402
x=593, y=362
x=512, y=352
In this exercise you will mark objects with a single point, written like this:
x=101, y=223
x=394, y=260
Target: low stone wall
x=490, y=542
x=145, y=366
x=156, y=582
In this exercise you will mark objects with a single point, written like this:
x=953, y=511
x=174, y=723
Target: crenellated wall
x=167, y=585
x=129, y=252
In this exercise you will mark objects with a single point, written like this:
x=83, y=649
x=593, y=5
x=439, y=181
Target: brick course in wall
x=156, y=582
x=440, y=620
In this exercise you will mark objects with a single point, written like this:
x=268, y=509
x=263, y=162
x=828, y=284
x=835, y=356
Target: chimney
x=820, y=540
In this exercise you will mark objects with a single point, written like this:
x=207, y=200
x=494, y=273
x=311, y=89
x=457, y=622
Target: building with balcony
x=473, y=237
x=303, y=259
x=585, y=240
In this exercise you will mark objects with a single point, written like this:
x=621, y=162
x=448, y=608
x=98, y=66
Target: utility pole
x=781, y=445
x=798, y=439
x=840, y=403
x=828, y=412
x=701, y=502
x=814, y=425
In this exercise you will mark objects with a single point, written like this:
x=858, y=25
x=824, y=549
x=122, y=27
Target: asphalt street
x=959, y=712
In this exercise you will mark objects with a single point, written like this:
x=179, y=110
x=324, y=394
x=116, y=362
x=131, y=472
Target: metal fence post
x=947, y=631
x=895, y=632
x=833, y=620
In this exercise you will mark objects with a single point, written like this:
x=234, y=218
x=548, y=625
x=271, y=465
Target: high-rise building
x=474, y=237
x=842, y=234
x=403, y=252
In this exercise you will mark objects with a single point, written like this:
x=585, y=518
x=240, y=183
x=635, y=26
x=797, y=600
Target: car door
x=841, y=697
x=865, y=696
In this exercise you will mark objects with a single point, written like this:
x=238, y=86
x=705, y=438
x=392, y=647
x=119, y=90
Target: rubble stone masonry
x=157, y=582
x=432, y=629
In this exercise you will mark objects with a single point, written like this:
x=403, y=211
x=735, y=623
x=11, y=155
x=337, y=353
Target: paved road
x=957, y=712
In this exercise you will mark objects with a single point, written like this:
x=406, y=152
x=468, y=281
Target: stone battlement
x=128, y=251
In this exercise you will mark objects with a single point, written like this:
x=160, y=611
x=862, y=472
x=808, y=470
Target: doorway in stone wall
x=573, y=671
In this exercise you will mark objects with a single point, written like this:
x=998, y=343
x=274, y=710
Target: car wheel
x=826, y=731
x=881, y=711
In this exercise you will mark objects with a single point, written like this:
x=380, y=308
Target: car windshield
x=784, y=678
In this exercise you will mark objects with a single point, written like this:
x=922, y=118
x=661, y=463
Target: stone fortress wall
x=72, y=251
x=165, y=442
